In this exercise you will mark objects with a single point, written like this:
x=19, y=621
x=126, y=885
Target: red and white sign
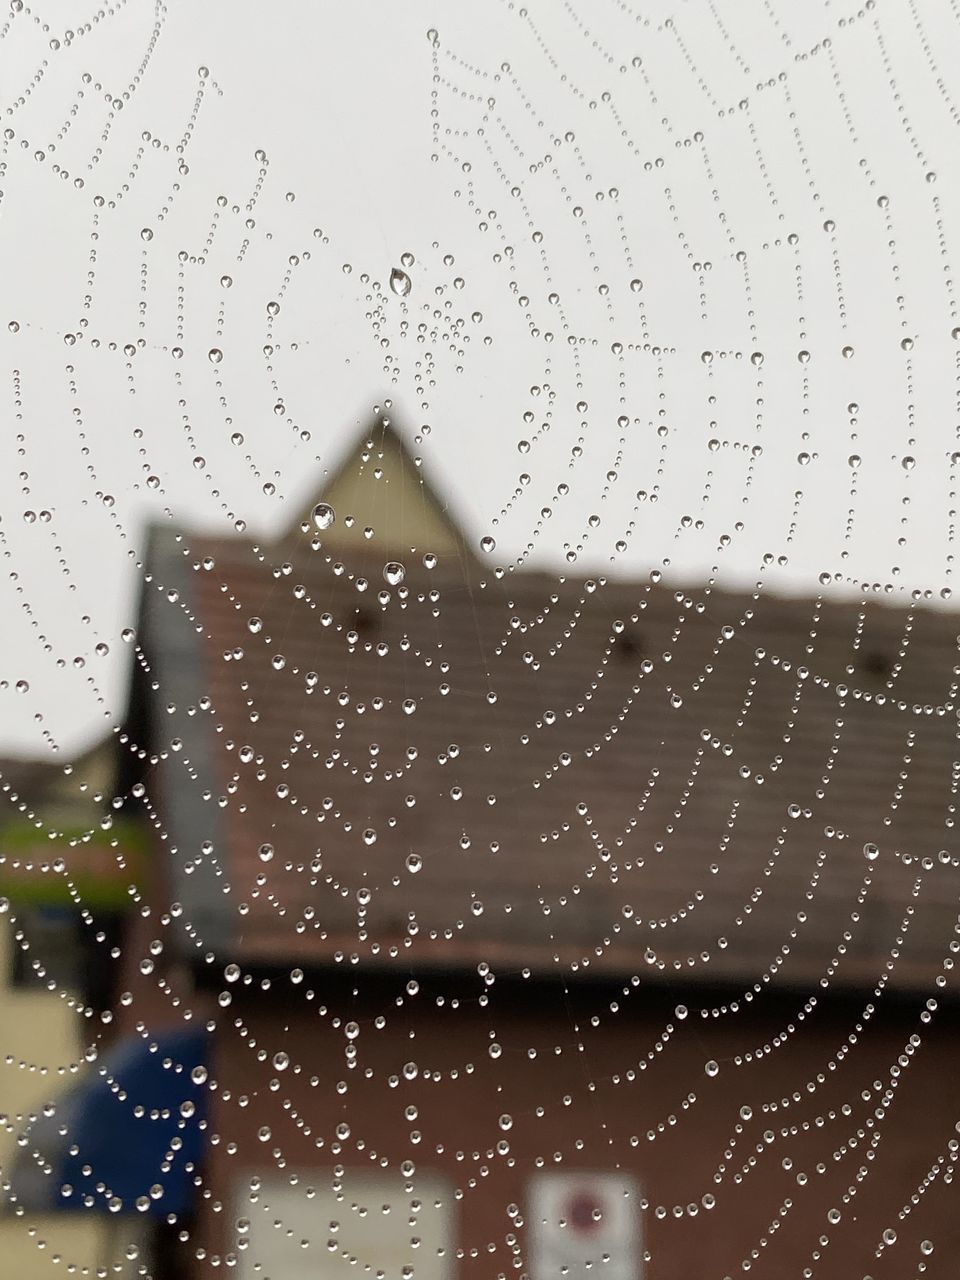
x=584, y=1226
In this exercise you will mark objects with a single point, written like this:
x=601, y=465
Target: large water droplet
x=323, y=515
x=400, y=282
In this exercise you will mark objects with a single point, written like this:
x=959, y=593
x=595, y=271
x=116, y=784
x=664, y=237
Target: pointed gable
x=383, y=504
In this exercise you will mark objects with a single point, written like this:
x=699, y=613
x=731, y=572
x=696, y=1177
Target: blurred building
x=65, y=877
x=544, y=922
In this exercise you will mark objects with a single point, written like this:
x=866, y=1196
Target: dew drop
x=400, y=282
x=323, y=515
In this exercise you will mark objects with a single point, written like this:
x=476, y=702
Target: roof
x=578, y=775
x=382, y=496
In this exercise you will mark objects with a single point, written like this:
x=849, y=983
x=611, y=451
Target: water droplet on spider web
x=400, y=282
x=323, y=515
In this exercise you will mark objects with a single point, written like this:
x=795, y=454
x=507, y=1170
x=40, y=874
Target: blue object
x=128, y=1139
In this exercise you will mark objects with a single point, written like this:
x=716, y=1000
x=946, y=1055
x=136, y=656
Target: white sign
x=584, y=1226
x=363, y=1224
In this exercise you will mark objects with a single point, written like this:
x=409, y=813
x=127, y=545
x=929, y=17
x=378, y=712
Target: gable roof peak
x=379, y=499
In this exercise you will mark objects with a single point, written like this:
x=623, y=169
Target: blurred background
x=478, y=683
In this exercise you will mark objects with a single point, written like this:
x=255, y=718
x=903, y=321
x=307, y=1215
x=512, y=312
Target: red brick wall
x=593, y=1120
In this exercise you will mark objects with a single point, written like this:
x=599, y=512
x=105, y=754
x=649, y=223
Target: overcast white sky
x=781, y=180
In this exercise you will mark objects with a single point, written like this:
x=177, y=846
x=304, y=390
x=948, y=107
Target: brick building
x=549, y=926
